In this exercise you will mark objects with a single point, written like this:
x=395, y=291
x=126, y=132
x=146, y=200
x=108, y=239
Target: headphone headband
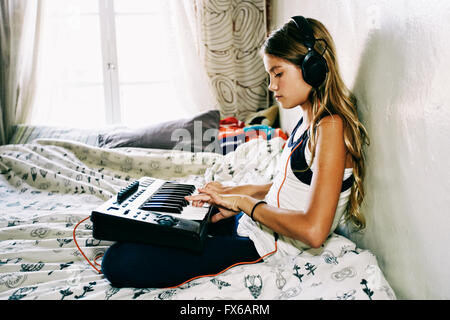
x=314, y=66
x=305, y=28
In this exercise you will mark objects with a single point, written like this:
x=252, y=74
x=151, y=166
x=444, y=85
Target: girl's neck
x=307, y=113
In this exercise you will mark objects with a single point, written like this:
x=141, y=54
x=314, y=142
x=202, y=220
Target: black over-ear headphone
x=314, y=66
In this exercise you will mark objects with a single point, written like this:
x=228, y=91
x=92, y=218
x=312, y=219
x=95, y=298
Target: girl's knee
x=112, y=266
x=136, y=265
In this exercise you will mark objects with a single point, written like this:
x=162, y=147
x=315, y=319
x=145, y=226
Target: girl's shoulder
x=331, y=119
x=330, y=124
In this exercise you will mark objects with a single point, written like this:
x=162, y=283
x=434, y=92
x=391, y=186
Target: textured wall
x=394, y=55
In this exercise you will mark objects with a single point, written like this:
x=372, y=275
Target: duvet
x=48, y=186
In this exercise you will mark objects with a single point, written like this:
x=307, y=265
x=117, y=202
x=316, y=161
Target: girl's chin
x=286, y=106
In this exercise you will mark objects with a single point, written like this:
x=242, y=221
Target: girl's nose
x=273, y=86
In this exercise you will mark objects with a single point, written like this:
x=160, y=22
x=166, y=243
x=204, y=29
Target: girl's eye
x=277, y=75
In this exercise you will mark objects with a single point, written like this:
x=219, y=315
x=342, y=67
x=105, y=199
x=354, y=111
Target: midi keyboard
x=153, y=211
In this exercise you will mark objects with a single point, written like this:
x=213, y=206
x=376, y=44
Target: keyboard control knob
x=166, y=220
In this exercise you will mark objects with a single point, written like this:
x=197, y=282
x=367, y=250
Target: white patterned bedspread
x=48, y=186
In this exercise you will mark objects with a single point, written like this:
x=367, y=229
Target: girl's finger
x=218, y=216
x=201, y=197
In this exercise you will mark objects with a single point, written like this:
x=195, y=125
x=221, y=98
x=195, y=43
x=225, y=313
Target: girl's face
x=286, y=82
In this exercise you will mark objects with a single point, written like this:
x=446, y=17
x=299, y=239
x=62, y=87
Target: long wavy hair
x=331, y=98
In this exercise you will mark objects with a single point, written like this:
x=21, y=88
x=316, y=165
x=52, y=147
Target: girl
x=320, y=179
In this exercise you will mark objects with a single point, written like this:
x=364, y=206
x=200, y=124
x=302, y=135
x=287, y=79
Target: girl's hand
x=228, y=205
x=214, y=186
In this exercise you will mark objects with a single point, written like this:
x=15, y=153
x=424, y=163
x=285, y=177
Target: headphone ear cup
x=314, y=69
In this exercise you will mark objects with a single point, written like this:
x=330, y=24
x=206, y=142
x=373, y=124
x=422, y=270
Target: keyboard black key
x=174, y=191
x=162, y=207
x=181, y=201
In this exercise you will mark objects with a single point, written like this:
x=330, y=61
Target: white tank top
x=293, y=195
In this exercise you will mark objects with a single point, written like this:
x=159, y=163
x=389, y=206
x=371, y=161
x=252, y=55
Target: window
x=104, y=62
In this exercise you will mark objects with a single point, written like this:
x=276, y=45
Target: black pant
x=150, y=266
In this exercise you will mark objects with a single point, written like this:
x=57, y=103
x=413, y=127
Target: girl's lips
x=278, y=97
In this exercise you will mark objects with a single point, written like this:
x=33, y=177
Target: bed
x=48, y=185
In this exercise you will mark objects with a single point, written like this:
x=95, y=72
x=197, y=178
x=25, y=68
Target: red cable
x=201, y=276
x=197, y=277
x=81, y=251
x=285, y=172
x=276, y=244
x=285, y=168
x=233, y=265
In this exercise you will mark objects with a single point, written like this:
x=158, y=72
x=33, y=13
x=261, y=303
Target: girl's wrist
x=242, y=202
x=246, y=203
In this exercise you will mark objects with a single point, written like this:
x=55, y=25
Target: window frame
x=110, y=62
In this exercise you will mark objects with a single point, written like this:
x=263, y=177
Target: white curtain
x=72, y=55
x=186, y=52
x=19, y=31
x=69, y=89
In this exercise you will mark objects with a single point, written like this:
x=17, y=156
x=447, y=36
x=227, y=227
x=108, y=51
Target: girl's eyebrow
x=273, y=68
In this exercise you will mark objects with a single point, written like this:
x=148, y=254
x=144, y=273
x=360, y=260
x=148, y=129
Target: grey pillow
x=195, y=134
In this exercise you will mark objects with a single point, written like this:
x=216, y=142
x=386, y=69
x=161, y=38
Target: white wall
x=395, y=56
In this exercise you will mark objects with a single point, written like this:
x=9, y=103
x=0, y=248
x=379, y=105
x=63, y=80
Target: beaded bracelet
x=254, y=207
